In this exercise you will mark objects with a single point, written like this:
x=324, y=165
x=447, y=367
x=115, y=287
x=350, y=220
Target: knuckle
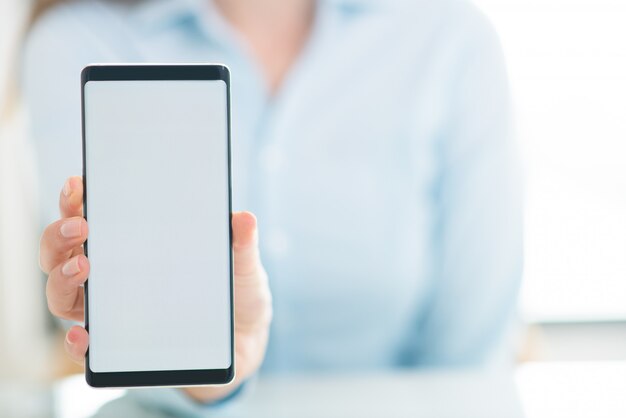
x=44, y=244
x=43, y=265
x=57, y=310
x=53, y=309
x=54, y=306
x=63, y=202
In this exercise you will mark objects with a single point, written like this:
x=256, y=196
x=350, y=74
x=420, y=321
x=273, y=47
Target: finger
x=245, y=244
x=71, y=198
x=64, y=288
x=60, y=240
x=76, y=343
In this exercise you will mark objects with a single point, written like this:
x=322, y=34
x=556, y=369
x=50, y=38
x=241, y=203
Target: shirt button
x=271, y=159
x=277, y=243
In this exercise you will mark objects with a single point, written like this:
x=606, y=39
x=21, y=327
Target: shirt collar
x=154, y=14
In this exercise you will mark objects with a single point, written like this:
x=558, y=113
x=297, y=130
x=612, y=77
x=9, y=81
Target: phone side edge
x=85, y=77
x=225, y=76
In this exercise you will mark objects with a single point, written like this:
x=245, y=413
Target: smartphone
x=157, y=198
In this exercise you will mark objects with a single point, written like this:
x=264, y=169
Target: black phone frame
x=139, y=72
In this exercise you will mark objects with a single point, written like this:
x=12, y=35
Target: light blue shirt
x=383, y=172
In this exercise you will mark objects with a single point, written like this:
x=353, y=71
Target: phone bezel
x=126, y=72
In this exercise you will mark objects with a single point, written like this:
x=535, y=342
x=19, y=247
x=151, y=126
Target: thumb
x=245, y=244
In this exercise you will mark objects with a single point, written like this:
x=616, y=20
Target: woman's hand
x=62, y=258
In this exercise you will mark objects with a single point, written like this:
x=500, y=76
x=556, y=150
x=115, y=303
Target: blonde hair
x=38, y=9
x=8, y=106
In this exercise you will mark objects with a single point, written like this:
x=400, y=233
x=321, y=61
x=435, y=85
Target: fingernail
x=71, y=267
x=67, y=188
x=71, y=229
x=68, y=337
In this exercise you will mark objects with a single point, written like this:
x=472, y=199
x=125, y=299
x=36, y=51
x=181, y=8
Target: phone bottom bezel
x=159, y=378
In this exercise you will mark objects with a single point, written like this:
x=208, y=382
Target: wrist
x=211, y=394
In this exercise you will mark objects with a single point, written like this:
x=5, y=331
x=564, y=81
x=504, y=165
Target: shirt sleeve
x=478, y=235
x=169, y=402
x=174, y=402
x=56, y=50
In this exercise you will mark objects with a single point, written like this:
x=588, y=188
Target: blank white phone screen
x=159, y=235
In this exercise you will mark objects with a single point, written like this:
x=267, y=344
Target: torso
x=339, y=165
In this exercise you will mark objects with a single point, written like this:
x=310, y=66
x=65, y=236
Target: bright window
x=567, y=62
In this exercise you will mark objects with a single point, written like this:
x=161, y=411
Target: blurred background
x=567, y=64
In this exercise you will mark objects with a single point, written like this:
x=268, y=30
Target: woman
x=371, y=139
